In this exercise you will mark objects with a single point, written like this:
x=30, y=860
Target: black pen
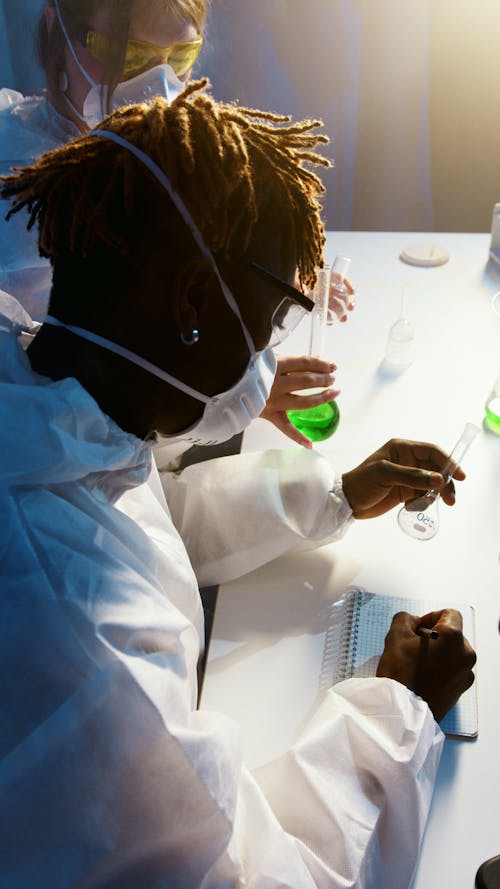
x=428, y=634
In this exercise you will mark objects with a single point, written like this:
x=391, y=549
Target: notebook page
x=366, y=621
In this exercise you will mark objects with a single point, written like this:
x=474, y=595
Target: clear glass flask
x=420, y=517
x=320, y=422
x=400, y=348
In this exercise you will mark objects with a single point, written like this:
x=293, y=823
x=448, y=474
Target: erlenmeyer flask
x=421, y=523
x=420, y=517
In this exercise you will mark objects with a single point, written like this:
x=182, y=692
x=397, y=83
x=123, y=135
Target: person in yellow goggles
x=95, y=55
x=118, y=54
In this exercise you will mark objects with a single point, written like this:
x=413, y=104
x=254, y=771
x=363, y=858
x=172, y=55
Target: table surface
x=457, y=358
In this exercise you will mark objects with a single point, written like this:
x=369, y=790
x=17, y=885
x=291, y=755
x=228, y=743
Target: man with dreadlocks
x=98, y=55
x=175, y=234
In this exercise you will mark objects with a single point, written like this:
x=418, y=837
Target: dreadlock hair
x=239, y=171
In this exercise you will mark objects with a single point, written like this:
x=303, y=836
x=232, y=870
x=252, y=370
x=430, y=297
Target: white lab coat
x=29, y=126
x=109, y=776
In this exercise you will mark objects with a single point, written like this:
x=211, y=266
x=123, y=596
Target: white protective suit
x=29, y=126
x=109, y=776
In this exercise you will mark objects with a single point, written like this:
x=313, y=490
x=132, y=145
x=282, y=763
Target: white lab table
x=457, y=343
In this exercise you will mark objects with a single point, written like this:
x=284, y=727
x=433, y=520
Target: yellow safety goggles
x=140, y=56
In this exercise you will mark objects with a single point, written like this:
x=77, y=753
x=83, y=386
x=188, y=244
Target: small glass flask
x=400, y=349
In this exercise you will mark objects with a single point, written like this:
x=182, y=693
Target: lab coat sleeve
x=121, y=788
x=253, y=508
x=111, y=780
x=355, y=790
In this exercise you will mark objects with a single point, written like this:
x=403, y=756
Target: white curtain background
x=359, y=65
x=409, y=94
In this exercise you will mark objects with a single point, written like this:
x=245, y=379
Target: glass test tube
x=319, y=423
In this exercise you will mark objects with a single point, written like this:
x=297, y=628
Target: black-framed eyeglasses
x=291, y=291
x=292, y=307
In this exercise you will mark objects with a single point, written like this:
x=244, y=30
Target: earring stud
x=63, y=82
x=191, y=340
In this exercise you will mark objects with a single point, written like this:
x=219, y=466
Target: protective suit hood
x=69, y=439
x=29, y=126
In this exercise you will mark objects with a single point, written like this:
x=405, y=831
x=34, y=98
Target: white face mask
x=158, y=81
x=231, y=411
x=225, y=414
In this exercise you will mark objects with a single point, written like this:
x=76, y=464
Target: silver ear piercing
x=191, y=340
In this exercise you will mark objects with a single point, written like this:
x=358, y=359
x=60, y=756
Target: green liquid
x=318, y=423
x=492, y=419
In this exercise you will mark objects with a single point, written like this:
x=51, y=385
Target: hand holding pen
x=431, y=656
x=427, y=633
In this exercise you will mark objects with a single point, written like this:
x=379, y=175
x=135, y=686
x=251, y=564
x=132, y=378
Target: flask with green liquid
x=492, y=408
x=320, y=422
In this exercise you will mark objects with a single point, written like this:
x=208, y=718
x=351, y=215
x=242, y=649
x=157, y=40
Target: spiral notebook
x=355, y=640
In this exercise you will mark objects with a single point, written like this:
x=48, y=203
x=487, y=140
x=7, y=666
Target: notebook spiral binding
x=341, y=638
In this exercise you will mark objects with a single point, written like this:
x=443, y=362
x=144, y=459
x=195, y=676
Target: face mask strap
x=188, y=219
x=129, y=356
x=97, y=86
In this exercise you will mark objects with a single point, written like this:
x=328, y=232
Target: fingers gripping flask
x=320, y=422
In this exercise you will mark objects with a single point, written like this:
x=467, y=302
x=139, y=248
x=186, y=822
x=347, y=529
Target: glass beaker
x=320, y=422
